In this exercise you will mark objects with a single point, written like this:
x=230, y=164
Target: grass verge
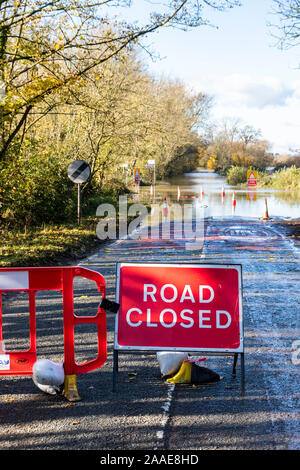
x=54, y=244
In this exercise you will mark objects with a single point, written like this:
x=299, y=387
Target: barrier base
x=185, y=371
x=183, y=376
x=70, y=391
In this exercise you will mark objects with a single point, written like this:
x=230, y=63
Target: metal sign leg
x=115, y=369
x=242, y=369
x=234, y=363
x=78, y=204
x=243, y=372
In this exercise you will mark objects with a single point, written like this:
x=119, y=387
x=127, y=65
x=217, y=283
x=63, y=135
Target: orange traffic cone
x=266, y=214
x=201, y=193
x=233, y=199
x=165, y=207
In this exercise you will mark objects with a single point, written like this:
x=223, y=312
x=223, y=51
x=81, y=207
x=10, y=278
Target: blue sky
x=238, y=63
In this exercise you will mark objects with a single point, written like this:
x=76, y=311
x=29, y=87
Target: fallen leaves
x=132, y=375
x=9, y=400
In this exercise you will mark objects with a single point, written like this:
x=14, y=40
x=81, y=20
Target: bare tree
x=289, y=22
x=249, y=135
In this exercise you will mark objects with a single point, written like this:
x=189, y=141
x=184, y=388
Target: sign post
x=125, y=165
x=137, y=176
x=79, y=172
x=152, y=164
x=175, y=307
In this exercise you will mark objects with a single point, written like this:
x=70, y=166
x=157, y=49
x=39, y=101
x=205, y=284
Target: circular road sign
x=79, y=171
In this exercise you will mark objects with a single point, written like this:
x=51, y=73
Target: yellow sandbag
x=184, y=374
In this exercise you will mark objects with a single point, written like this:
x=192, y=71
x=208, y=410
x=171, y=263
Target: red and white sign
x=137, y=176
x=252, y=178
x=186, y=307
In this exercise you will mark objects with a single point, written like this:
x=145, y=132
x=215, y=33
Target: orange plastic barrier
x=32, y=280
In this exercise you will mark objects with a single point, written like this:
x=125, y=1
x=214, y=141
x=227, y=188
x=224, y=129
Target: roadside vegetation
x=285, y=179
x=46, y=245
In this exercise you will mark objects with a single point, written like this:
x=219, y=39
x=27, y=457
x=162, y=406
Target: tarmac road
x=145, y=412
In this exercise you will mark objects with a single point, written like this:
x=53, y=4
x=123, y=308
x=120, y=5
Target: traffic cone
x=165, y=207
x=233, y=203
x=201, y=193
x=233, y=199
x=266, y=214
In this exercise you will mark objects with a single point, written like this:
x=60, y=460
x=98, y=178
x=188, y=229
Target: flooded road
x=207, y=187
x=145, y=412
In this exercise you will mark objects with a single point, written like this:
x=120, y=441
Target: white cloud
x=243, y=90
x=266, y=103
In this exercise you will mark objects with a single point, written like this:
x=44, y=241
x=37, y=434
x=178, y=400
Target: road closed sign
x=187, y=307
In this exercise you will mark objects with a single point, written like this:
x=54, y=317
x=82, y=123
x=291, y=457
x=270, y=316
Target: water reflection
x=218, y=199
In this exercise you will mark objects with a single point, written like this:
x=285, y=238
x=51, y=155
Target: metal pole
x=234, y=363
x=115, y=369
x=243, y=372
x=78, y=204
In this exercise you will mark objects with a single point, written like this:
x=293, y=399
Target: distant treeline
x=232, y=148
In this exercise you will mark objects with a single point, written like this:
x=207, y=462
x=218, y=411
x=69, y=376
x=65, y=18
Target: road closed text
x=186, y=317
x=180, y=306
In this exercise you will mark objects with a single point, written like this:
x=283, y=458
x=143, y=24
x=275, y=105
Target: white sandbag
x=48, y=376
x=50, y=389
x=170, y=361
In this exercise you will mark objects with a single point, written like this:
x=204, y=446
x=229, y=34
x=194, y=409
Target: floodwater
x=205, y=187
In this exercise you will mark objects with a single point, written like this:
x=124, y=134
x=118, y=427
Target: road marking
x=166, y=412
